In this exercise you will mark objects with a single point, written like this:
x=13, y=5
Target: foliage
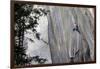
x=23, y=22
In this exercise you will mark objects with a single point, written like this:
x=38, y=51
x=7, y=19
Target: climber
x=76, y=28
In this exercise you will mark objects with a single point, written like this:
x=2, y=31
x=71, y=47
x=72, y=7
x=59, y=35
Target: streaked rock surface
x=66, y=43
x=69, y=32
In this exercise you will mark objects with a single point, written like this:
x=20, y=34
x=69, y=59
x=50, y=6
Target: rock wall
x=71, y=34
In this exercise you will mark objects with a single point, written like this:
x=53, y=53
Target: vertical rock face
x=67, y=35
x=71, y=34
